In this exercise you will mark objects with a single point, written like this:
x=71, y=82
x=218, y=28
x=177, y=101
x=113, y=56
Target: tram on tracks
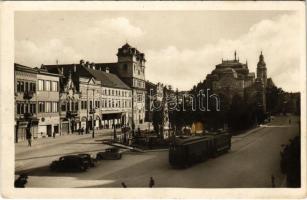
x=187, y=150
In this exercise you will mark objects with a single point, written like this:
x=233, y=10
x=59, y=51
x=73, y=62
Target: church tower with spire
x=262, y=70
x=261, y=83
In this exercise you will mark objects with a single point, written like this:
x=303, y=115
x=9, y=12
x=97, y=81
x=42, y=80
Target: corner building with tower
x=102, y=95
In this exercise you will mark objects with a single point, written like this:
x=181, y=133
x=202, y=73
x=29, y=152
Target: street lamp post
x=114, y=130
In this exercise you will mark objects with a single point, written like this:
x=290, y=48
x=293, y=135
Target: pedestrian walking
x=151, y=182
x=124, y=185
x=289, y=121
x=273, y=181
x=28, y=134
x=53, y=134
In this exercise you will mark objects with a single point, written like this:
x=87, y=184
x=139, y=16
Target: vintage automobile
x=88, y=160
x=69, y=163
x=109, y=154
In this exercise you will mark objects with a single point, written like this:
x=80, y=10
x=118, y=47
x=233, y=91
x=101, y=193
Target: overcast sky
x=181, y=47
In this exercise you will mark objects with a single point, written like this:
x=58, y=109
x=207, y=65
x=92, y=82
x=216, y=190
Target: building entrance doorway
x=49, y=130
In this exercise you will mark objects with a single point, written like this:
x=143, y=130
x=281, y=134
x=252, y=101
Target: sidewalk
x=22, y=146
x=236, y=138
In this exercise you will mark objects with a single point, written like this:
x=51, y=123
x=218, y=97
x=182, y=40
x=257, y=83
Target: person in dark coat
x=151, y=182
x=28, y=135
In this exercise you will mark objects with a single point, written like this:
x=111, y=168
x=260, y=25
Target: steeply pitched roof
x=107, y=79
x=19, y=67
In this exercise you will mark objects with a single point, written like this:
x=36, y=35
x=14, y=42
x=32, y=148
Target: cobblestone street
x=254, y=151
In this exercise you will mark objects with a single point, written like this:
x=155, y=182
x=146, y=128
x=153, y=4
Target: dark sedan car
x=69, y=163
x=109, y=154
x=88, y=160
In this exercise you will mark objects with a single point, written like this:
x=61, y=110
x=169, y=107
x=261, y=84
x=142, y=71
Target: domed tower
x=262, y=70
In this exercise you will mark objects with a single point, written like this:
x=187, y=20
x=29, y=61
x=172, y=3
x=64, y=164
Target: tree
x=157, y=118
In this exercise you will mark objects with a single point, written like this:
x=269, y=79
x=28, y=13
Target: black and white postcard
x=153, y=99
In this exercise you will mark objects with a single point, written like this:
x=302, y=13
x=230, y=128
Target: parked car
x=69, y=163
x=109, y=154
x=89, y=161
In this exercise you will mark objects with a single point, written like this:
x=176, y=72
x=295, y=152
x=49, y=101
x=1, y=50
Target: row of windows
x=137, y=83
x=70, y=106
x=52, y=107
x=107, y=103
x=23, y=107
x=47, y=107
x=84, y=105
x=116, y=103
x=45, y=85
x=116, y=92
x=138, y=69
x=43, y=107
x=25, y=86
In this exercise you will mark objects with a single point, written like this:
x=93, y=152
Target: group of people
x=151, y=183
x=81, y=131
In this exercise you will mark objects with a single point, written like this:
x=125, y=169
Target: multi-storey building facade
x=130, y=68
x=69, y=105
x=36, y=102
x=48, y=100
x=69, y=97
x=115, y=102
x=101, y=99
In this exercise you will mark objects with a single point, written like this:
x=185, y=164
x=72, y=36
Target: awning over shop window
x=111, y=116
